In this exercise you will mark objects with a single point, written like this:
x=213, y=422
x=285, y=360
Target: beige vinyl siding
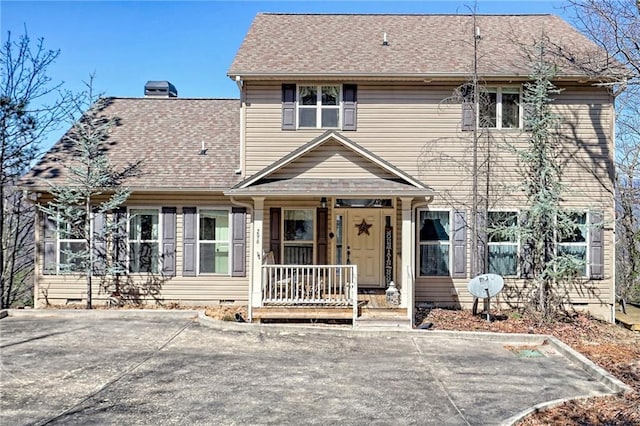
x=198, y=290
x=415, y=128
x=330, y=159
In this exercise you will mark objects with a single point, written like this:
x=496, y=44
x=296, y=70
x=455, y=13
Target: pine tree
x=544, y=222
x=92, y=186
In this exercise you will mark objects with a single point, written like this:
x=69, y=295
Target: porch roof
x=335, y=187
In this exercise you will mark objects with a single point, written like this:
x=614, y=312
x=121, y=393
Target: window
x=213, y=242
x=319, y=106
x=144, y=240
x=500, y=108
x=298, y=237
x=71, y=247
x=435, y=243
x=575, y=242
x=502, y=244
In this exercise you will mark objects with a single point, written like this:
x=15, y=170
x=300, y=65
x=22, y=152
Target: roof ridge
x=401, y=14
x=178, y=98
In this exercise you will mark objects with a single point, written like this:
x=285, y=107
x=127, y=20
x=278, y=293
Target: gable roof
x=345, y=45
x=166, y=135
x=397, y=181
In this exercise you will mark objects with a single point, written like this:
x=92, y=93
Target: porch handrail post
x=354, y=292
x=256, y=286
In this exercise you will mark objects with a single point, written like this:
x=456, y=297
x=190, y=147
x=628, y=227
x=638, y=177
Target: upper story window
x=213, y=241
x=500, y=108
x=144, y=240
x=319, y=106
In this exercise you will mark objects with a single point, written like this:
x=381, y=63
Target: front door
x=364, y=245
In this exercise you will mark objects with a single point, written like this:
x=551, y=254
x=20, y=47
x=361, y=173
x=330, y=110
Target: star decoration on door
x=363, y=227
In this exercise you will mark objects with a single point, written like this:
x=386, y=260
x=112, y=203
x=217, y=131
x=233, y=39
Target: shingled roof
x=346, y=45
x=166, y=135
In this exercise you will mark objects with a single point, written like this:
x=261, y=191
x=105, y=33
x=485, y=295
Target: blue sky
x=191, y=44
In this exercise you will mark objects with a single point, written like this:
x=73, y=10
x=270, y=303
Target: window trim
x=313, y=241
x=229, y=242
x=498, y=90
x=60, y=241
x=319, y=107
x=586, y=244
x=434, y=242
x=517, y=242
x=158, y=240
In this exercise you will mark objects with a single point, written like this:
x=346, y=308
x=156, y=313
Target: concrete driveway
x=162, y=368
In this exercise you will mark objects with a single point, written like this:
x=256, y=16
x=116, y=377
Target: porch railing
x=310, y=285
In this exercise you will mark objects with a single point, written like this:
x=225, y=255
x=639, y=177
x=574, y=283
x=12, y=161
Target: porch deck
x=372, y=308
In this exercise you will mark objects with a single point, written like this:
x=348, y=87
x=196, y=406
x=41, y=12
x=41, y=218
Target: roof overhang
x=347, y=188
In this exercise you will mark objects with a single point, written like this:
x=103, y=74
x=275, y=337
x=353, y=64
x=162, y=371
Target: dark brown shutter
x=50, y=245
x=121, y=248
x=468, y=119
x=189, y=241
x=169, y=241
x=99, y=243
x=288, y=107
x=349, y=106
x=322, y=219
x=239, y=241
x=596, y=246
x=459, y=245
x=275, y=215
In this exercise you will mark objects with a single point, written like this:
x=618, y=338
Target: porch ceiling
x=332, y=187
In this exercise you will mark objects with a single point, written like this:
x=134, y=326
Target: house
x=346, y=165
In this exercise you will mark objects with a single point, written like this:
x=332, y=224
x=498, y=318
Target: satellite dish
x=486, y=285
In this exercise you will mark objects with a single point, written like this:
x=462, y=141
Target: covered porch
x=332, y=228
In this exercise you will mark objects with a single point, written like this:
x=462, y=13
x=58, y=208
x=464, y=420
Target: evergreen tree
x=92, y=186
x=544, y=223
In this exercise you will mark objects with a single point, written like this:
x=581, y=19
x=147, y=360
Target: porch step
x=383, y=322
x=383, y=318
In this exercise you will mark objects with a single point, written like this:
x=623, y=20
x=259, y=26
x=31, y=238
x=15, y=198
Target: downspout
x=414, y=210
x=614, y=227
x=240, y=84
x=249, y=208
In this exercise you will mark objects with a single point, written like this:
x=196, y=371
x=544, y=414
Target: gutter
x=240, y=84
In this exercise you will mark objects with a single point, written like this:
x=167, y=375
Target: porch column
x=406, y=263
x=256, y=273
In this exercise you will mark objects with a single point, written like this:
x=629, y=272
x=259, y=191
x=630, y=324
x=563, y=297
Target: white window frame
x=421, y=243
x=318, y=106
x=130, y=214
x=286, y=242
x=227, y=241
x=498, y=90
x=586, y=243
x=61, y=241
x=505, y=243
